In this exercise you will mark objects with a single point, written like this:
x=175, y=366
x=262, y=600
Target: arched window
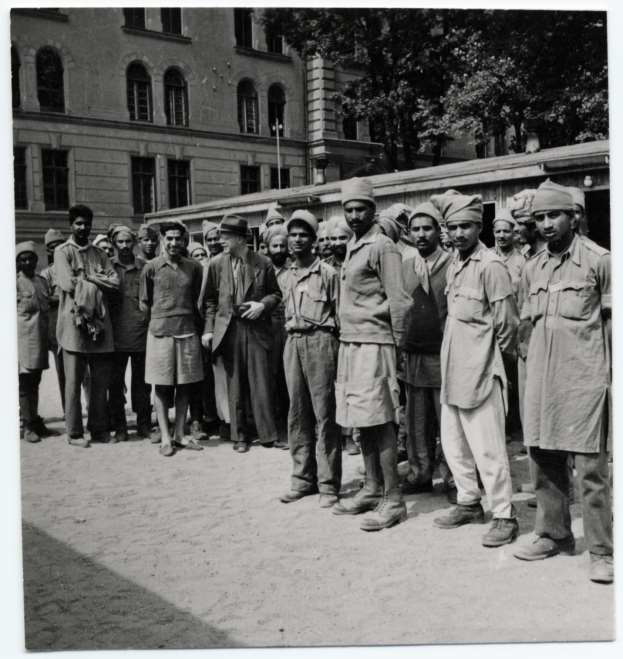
x=276, y=107
x=247, y=107
x=139, y=93
x=15, y=64
x=50, y=91
x=175, y=98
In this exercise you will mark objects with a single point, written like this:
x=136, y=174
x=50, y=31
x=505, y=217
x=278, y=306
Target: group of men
x=315, y=346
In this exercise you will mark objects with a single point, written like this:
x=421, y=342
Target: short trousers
x=366, y=390
x=172, y=361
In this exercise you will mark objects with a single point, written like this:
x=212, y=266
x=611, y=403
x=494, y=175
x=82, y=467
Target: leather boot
x=390, y=511
x=371, y=493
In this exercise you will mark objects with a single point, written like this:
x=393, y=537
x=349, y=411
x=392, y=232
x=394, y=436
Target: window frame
x=271, y=40
x=134, y=86
x=276, y=110
x=20, y=182
x=171, y=18
x=175, y=92
x=243, y=27
x=56, y=190
x=175, y=178
x=16, y=64
x=53, y=89
x=139, y=176
x=245, y=180
x=129, y=13
x=285, y=178
x=245, y=102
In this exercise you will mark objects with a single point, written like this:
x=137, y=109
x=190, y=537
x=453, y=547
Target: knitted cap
x=208, y=227
x=53, y=236
x=306, y=217
x=551, y=196
x=578, y=196
x=504, y=215
x=357, y=189
x=429, y=209
x=100, y=238
x=121, y=228
x=25, y=246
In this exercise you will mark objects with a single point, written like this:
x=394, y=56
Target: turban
x=457, y=207
x=391, y=228
x=207, y=227
x=578, y=196
x=357, y=189
x=520, y=205
x=26, y=246
x=399, y=213
x=504, y=215
x=273, y=214
x=552, y=197
x=53, y=236
x=429, y=209
x=273, y=231
x=193, y=247
x=308, y=219
x=339, y=223
x=147, y=230
x=100, y=238
x=120, y=228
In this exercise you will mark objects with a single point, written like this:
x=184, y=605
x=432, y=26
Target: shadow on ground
x=73, y=603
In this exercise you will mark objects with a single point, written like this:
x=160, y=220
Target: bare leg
x=162, y=397
x=182, y=397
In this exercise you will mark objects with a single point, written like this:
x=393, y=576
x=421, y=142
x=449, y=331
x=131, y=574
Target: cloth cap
x=99, y=238
x=273, y=231
x=194, y=247
x=578, y=196
x=429, y=209
x=306, y=217
x=208, y=227
x=398, y=212
x=234, y=224
x=551, y=196
x=170, y=225
x=25, y=246
x=273, y=213
x=520, y=205
x=357, y=189
x=457, y=207
x=53, y=236
x=147, y=230
x=391, y=227
x=504, y=215
x=121, y=228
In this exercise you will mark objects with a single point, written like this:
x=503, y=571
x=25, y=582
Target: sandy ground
x=126, y=549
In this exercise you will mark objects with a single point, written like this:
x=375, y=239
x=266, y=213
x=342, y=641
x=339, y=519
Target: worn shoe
x=295, y=495
x=79, y=441
x=167, y=450
x=103, y=436
x=268, y=444
x=502, y=532
x=389, y=512
x=43, y=431
x=416, y=486
x=601, y=570
x=224, y=431
x=121, y=435
x=327, y=500
x=350, y=447
x=144, y=431
x=243, y=447
x=31, y=437
x=192, y=445
x=543, y=547
x=196, y=431
x=460, y=515
x=281, y=444
x=362, y=502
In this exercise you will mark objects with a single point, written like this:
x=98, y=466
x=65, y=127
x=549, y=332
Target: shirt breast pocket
x=537, y=299
x=468, y=304
x=575, y=300
x=314, y=301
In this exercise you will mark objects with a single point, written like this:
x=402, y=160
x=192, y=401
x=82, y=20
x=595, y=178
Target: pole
x=277, y=128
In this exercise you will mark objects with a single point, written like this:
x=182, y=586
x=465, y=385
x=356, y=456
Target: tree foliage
x=428, y=74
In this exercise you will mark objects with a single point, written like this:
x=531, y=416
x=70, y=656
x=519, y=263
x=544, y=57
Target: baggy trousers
x=280, y=397
x=422, y=409
x=473, y=438
x=202, y=394
x=310, y=362
x=29, y=398
x=551, y=478
x=247, y=365
x=75, y=364
x=138, y=389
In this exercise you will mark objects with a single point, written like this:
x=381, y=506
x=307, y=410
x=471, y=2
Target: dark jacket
x=260, y=285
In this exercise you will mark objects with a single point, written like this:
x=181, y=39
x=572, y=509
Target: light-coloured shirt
x=311, y=297
x=568, y=373
x=32, y=322
x=514, y=261
x=481, y=324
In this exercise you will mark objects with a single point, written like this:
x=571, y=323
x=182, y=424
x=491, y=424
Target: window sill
x=42, y=13
x=262, y=54
x=166, y=36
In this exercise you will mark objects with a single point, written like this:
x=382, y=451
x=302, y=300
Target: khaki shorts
x=171, y=361
x=366, y=389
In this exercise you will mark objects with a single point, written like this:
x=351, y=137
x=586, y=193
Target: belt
x=310, y=330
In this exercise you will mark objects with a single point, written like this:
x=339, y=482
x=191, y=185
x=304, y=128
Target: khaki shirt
x=49, y=274
x=568, y=373
x=32, y=322
x=514, y=262
x=481, y=324
x=311, y=297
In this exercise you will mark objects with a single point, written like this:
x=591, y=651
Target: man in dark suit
x=240, y=293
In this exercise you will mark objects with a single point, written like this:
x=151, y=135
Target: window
x=247, y=107
x=19, y=173
x=50, y=90
x=139, y=92
x=274, y=43
x=179, y=183
x=143, y=185
x=171, y=20
x=243, y=27
x=55, y=177
x=134, y=18
x=175, y=98
x=276, y=106
x=349, y=128
x=274, y=178
x=15, y=64
x=249, y=179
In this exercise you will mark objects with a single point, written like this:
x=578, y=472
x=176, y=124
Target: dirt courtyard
x=126, y=549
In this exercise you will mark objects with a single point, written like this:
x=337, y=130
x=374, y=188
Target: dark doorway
x=598, y=213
